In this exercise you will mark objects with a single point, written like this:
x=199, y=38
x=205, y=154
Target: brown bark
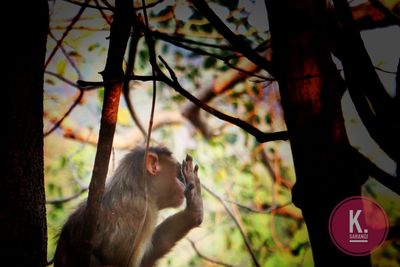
x=119, y=34
x=22, y=210
x=311, y=90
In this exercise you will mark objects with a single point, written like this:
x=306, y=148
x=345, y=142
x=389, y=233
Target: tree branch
x=182, y=39
x=67, y=30
x=389, y=181
x=201, y=255
x=71, y=108
x=58, y=201
x=69, y=59
x=245, y=239
x=144, y=78
x=238, y=42
x=259, y=135
x=123, y=141
x=375, y=106
x=130, y=69
x=119, y=35
x=86, y=4
x=389, y=14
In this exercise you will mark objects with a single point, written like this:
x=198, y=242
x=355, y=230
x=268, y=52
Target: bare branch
x=74, y=66
x=130, y=69
x=122, y=141
x=67, y=30
x=148, y=5
x=373, y=103
x=261, y=211
x=104, y=15
x=181, y=39
x=224, y=59
x=241, y=230
x=71, y=108
x=201, y=255
x=144, y=78
x=119, y=35
x=393, y=17
x=391, y=182
x=153, y=62
x=259, y=135
x=107, y=4
x=85, y=5
x=67, y=199
x=238, y=42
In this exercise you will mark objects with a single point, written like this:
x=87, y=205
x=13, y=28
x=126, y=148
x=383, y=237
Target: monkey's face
x=168, y=184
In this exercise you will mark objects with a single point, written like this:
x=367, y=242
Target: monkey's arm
x=178, y=225
x=166, y=235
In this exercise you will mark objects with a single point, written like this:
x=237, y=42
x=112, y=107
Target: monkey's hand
x=194, y=202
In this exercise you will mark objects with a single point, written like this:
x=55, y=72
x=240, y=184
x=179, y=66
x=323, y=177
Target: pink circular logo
x=358, y=225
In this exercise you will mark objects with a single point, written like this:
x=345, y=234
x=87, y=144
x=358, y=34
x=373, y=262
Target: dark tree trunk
x=311, y=90
x=22, y=198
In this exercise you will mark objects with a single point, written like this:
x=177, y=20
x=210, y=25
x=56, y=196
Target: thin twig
x=201, y=255
x=67, y=199
x=130, y=66
x=385, y=71
x=238, y=42
x=224, y=59
x=152, y=58
x=391, y=182
x=263, y=211
x=71, y=108
x=74, y=66
x=104, y=15
x=181, y=39
x=389, y=14
x=148, y=6
x=144, y=78
x=245, y=238
x=67, y=30
x=88, y=5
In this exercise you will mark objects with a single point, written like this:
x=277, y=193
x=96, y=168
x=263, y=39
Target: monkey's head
x=166, y=180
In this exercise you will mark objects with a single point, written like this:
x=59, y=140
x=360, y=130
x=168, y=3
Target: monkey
x=126, y=233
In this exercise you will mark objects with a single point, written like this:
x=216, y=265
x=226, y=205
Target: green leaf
x=93, y=47
x=144, y=55
x=61, y=66
x=165, y=48
x=100, y=94
x=249, y=106
x=209, y=62
x=50, y=81
x=231, y=138
x=268, y=119
x=207, y=28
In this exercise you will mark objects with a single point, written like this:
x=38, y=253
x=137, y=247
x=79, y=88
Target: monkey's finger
x=196, y=174
x=197, y=180
x=189, y=160
x=184, y=170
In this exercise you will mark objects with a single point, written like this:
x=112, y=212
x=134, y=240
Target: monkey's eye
x=179, y=173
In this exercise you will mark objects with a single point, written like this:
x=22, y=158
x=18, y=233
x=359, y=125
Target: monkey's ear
x=152, y=165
